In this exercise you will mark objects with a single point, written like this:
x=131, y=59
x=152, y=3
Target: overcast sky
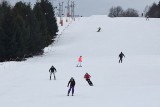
x=100, y=7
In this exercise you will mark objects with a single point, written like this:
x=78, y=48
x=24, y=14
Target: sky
x=101, y=7
x=133, y=83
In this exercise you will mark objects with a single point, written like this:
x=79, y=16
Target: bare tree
x=119, y=12
x=130, y=13
x=115, y=11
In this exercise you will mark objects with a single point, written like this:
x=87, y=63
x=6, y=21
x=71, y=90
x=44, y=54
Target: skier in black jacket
x=72, y=84
x=52, y=70
x=121, y=55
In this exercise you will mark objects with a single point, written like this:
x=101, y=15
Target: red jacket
x=87, y=76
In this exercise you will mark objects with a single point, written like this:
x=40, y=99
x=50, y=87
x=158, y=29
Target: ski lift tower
x=68, y=11
x=61, y=13
x=72, y=10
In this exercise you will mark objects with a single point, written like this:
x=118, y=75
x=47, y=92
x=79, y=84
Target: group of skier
x=71, y=83
x=86, y=76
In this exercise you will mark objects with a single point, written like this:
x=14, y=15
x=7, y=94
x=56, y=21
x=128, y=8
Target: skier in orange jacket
x=79, y=61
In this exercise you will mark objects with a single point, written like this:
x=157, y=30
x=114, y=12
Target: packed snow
x=133, y=83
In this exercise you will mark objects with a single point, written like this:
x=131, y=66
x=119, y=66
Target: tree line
x=151, y=11
x=26, y=30
x=119, y=12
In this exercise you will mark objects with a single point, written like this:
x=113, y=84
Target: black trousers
x=89, y=82
x=120, y=60
x=53, y=75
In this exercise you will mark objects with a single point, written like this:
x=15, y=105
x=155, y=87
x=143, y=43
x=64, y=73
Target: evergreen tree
x=25, y=32
x=9, y=40
x=32, y=40
x=2, y=43
x=7, y=32
x=154, y=11
x=19, y=36
x=42, y=24
x=52, y=27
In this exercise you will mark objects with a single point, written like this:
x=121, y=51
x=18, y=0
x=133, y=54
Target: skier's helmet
x=72, y=79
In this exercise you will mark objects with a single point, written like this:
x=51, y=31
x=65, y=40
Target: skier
x=99, y=29
x=71, y=83
x=121, y=55
x=87, y=77
x=52, y=70
x=147, y=18
x=142, y=14
x=79, y=61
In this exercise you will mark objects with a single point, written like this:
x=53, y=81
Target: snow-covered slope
x=134, y=83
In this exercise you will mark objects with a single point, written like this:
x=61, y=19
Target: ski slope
x=134, y=83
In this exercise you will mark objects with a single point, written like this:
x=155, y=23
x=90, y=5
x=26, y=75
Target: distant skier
x=147, y=17
x=99, y=29
x=71, y=85
x=121, y=55
x=142, y=14
x=79, y=61
x=52, y=70
x=87, y=77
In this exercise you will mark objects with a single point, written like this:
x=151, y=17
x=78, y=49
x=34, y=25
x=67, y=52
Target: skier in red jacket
x=87, y=77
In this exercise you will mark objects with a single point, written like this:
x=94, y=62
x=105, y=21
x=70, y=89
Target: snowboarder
x=52, y=70
x=87, y=77
x=79, y=61
x=99, y=29
x=121, y=55
x=71, y=85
